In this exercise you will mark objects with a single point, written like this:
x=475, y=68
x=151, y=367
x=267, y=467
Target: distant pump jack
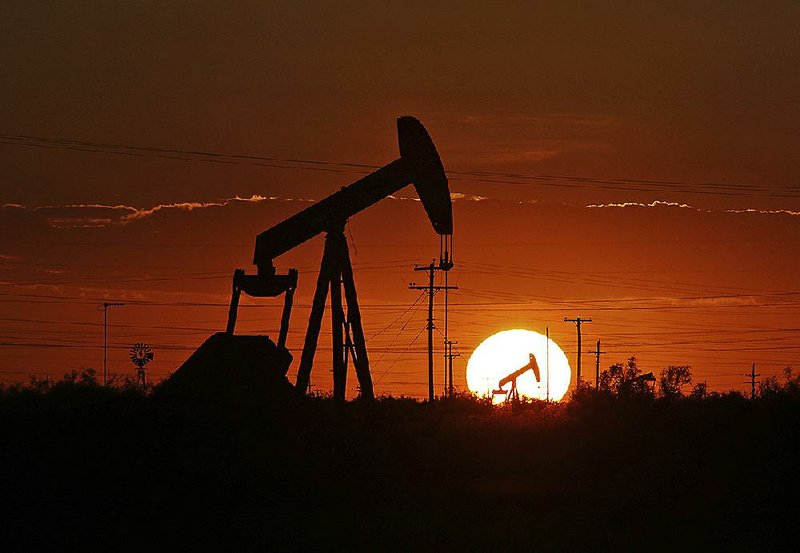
x=419, y=164
x=512, y=394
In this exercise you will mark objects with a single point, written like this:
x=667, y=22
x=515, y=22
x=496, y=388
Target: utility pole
x=547, y=360
x=448, y=362
x=597, y=354
x=431, y=289
x=450, y=355
x=105, y=307
x=578, y=323
x=752, y=376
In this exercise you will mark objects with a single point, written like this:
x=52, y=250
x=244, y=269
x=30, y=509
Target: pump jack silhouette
x=512, y=394
x=419, y=164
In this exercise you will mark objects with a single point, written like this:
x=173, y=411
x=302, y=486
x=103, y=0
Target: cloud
x=654, y=203
x=79, y=222
x=255, y=198
x=403, y=198
x=85, y=206
x=456, y=196
x=96, y=215
x=662, y=204
x=191, y=206
x=182, y=206
x=765, y=211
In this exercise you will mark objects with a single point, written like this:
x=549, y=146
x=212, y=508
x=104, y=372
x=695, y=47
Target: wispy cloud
x=460, y=196
x=182, y=206
x=403, y=198
x=666, y=204
x=765, y=211
x=654, y=203
x=85, y=206
x=454, y=196
x=96, y=215
x=79, y=222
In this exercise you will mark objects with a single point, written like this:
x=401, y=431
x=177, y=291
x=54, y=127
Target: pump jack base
x=239, y=369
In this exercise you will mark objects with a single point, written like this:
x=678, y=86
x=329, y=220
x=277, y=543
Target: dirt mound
x=232, y=368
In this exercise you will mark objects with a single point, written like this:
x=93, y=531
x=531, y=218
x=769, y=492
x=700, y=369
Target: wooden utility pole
x=450, y=355
x=752, y=376
x=431, y=289
x=578, y=323
x=597, y=354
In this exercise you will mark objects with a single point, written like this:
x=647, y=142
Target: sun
x=504, y=352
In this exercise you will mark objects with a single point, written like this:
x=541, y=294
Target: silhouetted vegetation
x=673, y=379
x=618, y=467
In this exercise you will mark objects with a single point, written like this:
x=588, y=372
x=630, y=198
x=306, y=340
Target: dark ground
x=83, y=467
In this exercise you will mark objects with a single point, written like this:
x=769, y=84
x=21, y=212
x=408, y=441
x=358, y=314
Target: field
x=83, y=466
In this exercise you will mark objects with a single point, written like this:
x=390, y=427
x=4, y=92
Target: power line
x=401, y=356
x=410, y=307
x=415, y=307
x=560, y=181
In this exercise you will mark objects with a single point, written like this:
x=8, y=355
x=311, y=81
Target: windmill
x=141, y=355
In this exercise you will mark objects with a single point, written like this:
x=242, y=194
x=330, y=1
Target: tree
x=85, y=377
x=621, y=379
x=792, y=385
x=699, y=391
x=672, y=379
x=769, y=387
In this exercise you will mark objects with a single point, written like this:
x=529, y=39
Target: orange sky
x=566, y=107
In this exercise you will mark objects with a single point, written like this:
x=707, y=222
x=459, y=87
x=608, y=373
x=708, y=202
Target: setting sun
x=505, y=352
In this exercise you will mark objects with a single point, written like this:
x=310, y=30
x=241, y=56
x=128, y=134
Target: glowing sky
x=637, y=164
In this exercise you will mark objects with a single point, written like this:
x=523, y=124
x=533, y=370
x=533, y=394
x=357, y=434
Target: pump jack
x=419, y=164
x=512, y=394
